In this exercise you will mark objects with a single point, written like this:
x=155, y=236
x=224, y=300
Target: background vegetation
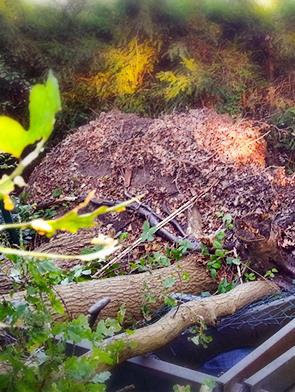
x=153, y=56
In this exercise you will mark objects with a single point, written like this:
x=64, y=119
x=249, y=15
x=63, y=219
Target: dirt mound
x=168, y=159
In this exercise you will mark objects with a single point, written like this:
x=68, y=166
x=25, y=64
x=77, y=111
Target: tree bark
x=132, y=291
x=209, y=310
x=64, y=243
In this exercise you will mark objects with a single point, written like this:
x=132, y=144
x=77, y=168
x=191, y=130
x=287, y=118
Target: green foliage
x=37, y=356
x=169, y=282
x=208, y=385
x=148, y=232
x=201, y=338
x=176, y=253
x=14, y=138
x=285, y=121
x=181, y=388
x=44, y=104
x=250, y=276
x=219, y=257
x=271, y=273
x=159, y=259
x=34, y=342
x=148, y=56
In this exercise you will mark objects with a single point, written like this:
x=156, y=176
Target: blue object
x=221, y=363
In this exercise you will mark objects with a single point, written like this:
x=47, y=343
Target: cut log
x=132, y=291
x=263, y=237
x=209, y=310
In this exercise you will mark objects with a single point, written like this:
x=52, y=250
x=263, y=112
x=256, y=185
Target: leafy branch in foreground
x=32, y=343
x=44, y=104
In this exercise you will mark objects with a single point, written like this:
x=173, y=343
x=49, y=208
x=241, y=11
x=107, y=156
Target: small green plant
x=148, y=232
x=56, y=193
x=271, y=273
x=181, y=388
x=177, y=252
x=219, y=257
x=208, y=385
x=225, y=286
x=148, y=299
x=249, y=276
x=200, y=338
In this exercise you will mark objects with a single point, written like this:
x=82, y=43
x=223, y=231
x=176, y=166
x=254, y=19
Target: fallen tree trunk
x=132, y=291
x=209, y=310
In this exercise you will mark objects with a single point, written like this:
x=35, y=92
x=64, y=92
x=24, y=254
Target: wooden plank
x=190, y=376
x=260, y=357
x=279, y=375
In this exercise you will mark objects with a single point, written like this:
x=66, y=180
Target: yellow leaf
x=41, y=226
x=8, y=203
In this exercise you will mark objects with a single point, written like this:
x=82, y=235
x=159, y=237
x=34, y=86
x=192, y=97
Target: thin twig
x=161, y=224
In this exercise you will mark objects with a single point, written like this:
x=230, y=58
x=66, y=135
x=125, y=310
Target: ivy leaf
x=233, y=260
x=219, y=236
x=195, y=340
x=220, y=252
x=227, y=219
x=102, y=356
x=148, y=232
x=204, y=250
x=217, y=244
x=213, y=273
x=169, y=282
x=101, y=377
x=170, y=301
x=47, y=266
x=162, y=259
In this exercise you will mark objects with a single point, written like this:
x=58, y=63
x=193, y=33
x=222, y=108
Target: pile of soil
x=169, y=160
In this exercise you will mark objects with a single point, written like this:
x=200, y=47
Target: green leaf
x=169, y=282
x=216, y=265
x=13, y=137
x=204, y=250
x=233, y=260
x=227, y=219
x=170, y=301
x=250, y=276
x=195, y=340
x=56, y=192
x=213, y=273
x=185, y=245
x=47, y=266
x=44, y=104
x=148, y=232
x=102, y=356
x=56, y=304
x=224, y=286
x=161, y=259
x=101, y=377
x=220, y=235
x=185, y=276
x=217, y=244
x=220, y=252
